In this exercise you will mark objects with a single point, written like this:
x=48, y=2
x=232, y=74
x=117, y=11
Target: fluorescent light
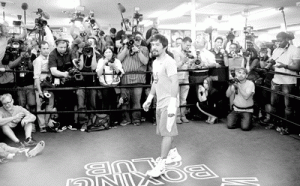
x=69, y=4
x=176, y=12
x=146, y=23
x=258, y=14
x=157, y=13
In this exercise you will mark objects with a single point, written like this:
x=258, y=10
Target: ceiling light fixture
x=176, y=12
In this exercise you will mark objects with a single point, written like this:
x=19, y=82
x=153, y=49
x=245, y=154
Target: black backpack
x=99, y=122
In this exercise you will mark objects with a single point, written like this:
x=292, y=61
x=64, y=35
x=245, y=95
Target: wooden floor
x=212, y=156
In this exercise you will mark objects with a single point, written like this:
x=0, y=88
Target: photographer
x=241, y=92
x=19, y=57
x=86, y=62
x=121, y=34
x=134, y=58
x=109, y=71
x=42, y=79
x=287, y=60
x=60, y=61
x=203, y=60
x=7, y=79
x=183, y=57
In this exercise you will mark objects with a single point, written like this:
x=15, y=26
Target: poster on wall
x=178, y=34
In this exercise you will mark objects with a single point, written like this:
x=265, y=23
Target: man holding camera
x=20, y=58
x=184, y=57
x=134, y=58
x=44, y=99
x=60, y=62
x=241, y=91
x=287, y=58
x=87, y=62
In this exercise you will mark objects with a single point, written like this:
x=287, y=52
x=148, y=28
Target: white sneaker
x=173, y=156
x=159, y=169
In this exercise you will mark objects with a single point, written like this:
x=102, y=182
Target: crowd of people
x=114, y=71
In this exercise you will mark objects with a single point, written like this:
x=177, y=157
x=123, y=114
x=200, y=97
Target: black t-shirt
x=62, y=62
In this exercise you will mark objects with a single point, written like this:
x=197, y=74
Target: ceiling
x=108, y=15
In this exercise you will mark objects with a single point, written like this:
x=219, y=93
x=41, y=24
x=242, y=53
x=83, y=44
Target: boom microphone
x=45, y=15
x=24, y=6
x=121, y=8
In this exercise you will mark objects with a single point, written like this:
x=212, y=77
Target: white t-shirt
x=285, y=56
x=163, y=69
x=109, y=79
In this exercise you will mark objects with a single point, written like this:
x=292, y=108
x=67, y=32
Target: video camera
x=75, y=74
x=40, y=22
x=87, y=50
x=91, y=18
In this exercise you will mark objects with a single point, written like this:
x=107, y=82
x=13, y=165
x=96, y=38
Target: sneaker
x=159, y=169
x=137, y=123
x=124, y=123
x=178, y=121
x=37, y=149
x=184, y=120
x=173, y=156
x=30, y=142
x=70, y=127
x=43, y=130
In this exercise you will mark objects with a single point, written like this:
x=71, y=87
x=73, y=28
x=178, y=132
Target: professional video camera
x=75, y=74
x=40, y=22
x=91, y=18
x=137, y=18
x=77, y=16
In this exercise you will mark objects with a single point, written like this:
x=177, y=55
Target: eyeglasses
x=7, y=103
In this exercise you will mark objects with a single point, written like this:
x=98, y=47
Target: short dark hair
x=113, y=30
x=186, y=39
x=43, y=43
x=178, y=38
x=219, y=38
x=161, y=38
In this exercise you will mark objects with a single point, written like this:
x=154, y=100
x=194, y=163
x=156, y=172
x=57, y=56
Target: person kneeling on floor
x=11, y=115
x=8, y=153
x=241, y=91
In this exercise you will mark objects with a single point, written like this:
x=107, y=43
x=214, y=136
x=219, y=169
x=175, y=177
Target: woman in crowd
x=109, y=71
x=209, y=99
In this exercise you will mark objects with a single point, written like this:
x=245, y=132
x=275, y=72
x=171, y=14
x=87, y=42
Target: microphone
x=121, y=8
x=24, y=6
x=45, y=15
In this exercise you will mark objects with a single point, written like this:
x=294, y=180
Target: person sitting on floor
x=241, y=92
x=209, y=98
x=11, y=115
x=10, y=153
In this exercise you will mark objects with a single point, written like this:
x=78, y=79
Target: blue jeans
x=275, y=99
x=134, y=102
x=26, y=97
x=244, y=117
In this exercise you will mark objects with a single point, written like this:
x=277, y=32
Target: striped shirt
x=133, y=64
